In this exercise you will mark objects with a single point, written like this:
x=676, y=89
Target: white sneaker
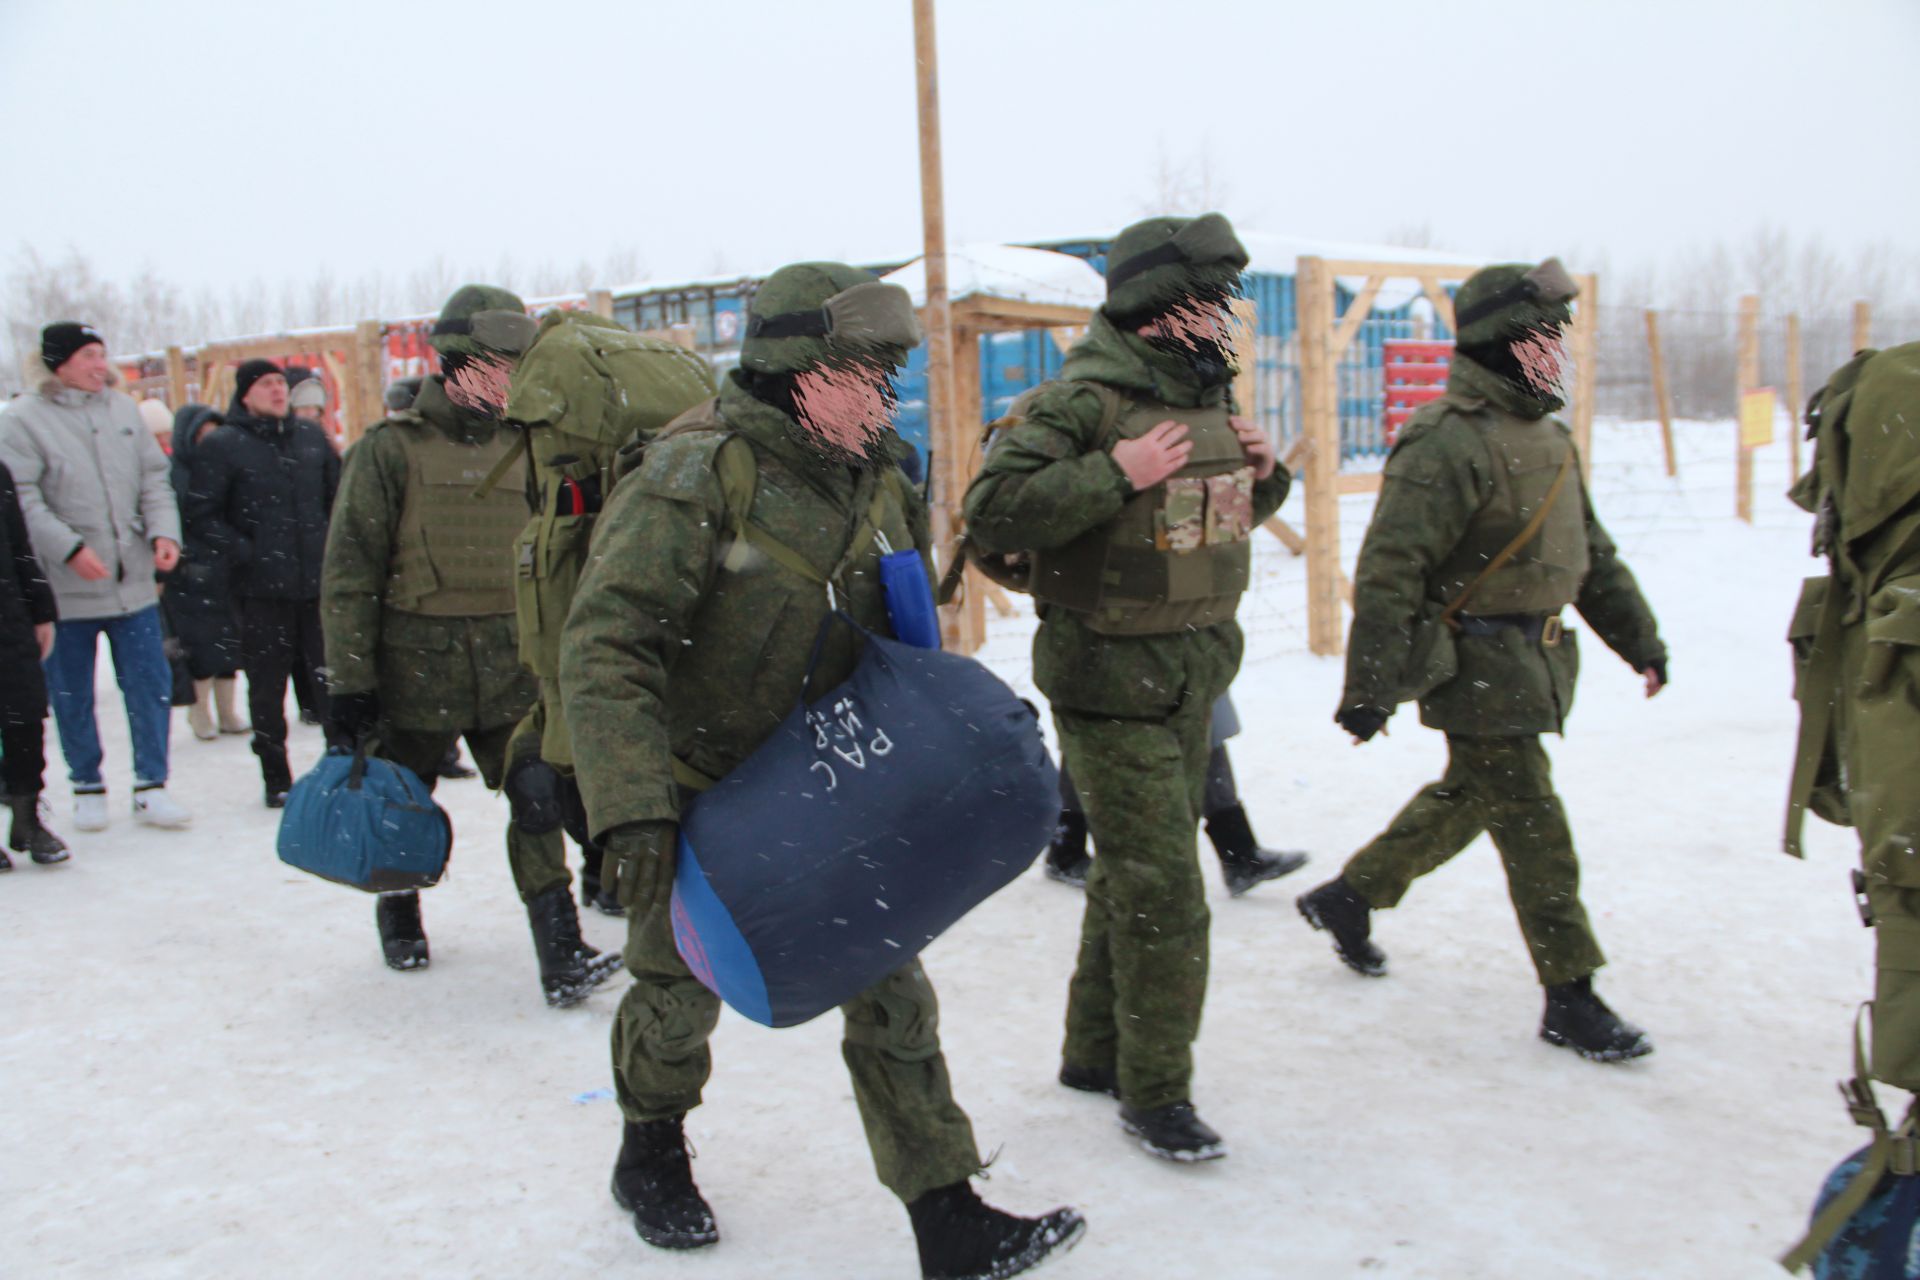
x=156, y=808
x=90, y=811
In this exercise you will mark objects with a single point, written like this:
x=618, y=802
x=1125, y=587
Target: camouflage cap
x=1503, y=301
x=482, y=319
x=1156, y=262
x=808, y=312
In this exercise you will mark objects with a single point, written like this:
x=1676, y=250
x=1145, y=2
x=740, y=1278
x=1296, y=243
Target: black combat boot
x=1091, y=1079
x=601, y=897
x=1067, y=859
x=1579, y=1020
x=653, y=1180
x=403, y=939
x=29, y=834
x=275, y=775
x=1242, y=861
x=1173, y=1132
x=961, y=1238
x=569, y=968
x=1335, y=907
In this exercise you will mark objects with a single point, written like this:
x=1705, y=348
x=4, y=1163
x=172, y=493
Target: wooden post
x=962, y=459
x=1796, y=393
x=366, y=380
x=1662, y=399
x=600, y=302
x=1246, y=337
x=1749, y=380
x=1862, y=328
x=1320, y=426
x=176, y=378
x=942, y=432
x=1586, y=390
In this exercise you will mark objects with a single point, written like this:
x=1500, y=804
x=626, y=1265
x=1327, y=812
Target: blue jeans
x=146, y=683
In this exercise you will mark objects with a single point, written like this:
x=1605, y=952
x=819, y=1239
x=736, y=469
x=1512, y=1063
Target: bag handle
x=1513, y=548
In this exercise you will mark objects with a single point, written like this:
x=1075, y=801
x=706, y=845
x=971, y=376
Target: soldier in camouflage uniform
x=687, y=644
x=417, y=607
x=1135, y=487
x=1856, y=636
x=1483, y=533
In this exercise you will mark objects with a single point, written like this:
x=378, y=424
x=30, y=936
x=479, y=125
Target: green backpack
x=586, y=387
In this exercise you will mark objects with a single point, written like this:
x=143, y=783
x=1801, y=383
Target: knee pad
x=533, y=789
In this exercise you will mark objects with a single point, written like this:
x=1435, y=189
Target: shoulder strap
x=739, y=474
x=500, y=468
x=1513, y=548
x=1820, y=682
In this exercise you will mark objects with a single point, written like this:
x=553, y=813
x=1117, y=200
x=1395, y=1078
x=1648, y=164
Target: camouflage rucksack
x=584, y=388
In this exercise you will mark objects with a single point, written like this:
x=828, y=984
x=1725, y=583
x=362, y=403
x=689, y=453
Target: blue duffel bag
x=872, y=819
x=363, y=821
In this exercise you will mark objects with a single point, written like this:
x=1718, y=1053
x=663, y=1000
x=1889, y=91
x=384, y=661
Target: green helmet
x=1501, y=302
x=1156, y=262
x=803, y=315
x=481, y=319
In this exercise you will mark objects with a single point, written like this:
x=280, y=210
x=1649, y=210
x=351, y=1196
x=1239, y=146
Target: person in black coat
x=199, y=600
x=27, y=615
x=259, y=493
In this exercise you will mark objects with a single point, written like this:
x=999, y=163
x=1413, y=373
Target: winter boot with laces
x=569, y=968
x=653, y=1180
x=1067, y=859
x=403, y=939
x=1173, y=1132
x=1335, y=907
x=962, y=1238
x=1579, y=1020
x=1243, y=862
x=29, y=833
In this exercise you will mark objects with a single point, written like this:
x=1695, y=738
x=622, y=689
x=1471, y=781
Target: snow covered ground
x=206, y=1071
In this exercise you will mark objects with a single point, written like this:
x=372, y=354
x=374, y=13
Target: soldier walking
x=1483, y=533
x=687, y=643
x=417, y=603
x=1135, y=485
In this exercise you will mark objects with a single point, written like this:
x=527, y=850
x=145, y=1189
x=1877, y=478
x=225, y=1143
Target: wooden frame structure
x=355, y=357
x=1323, y=336
x=954, y=441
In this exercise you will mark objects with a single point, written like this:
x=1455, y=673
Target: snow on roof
x=1008, y=271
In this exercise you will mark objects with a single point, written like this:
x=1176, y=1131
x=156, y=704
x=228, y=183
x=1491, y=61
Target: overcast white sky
x=220, y=141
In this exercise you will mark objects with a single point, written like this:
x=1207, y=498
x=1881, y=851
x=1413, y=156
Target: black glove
x=1362, y=720
x=352, y=716
x=638, y=859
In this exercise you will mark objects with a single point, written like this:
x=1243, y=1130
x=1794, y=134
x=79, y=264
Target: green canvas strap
x=689, y=777
x=503, y=466
x=1819, y=684
x=1893, y=1151
x=1513, y=548
x=739, y=477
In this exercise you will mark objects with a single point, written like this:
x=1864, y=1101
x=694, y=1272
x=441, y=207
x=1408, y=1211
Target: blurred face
x=481, y=384
x=86, y=369
x=845, y=407
x=1194, y=324
x=267, y=398
x=1542, y=357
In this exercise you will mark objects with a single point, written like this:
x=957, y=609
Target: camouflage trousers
x=1504, y=787
x=919, y=1136
x=538, y=862
x=1141, y=978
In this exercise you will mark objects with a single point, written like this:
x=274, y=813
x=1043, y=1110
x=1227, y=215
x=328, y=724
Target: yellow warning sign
x=1756, y=417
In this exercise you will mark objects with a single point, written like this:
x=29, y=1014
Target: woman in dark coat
x=27, y=615
x=199, y=600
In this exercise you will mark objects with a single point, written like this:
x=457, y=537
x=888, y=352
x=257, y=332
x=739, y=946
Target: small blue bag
x=866, y=824
x=367, y=822
x=909, y=596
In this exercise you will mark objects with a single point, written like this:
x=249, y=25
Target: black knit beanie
x=59, y=341
x=249, y=373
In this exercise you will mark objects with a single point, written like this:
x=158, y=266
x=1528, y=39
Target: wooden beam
x=1346, y=588
x=1584, y=340
x=600, y=303
x=1862, y=327
x=1398, y=270
x=1064, y=336
x=1289, y=536
x=1359, y=482
x=990, y=314
x=1662, y=399
x=1002, y=603
x=1357, y=312
x=1246, y=332
x=366, y=381
x=176, y=378
x=1442, y=304
x=962, y=461
x=1320, y=425
x=1796, y=394
x=1749, y=380
x=278, y=345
